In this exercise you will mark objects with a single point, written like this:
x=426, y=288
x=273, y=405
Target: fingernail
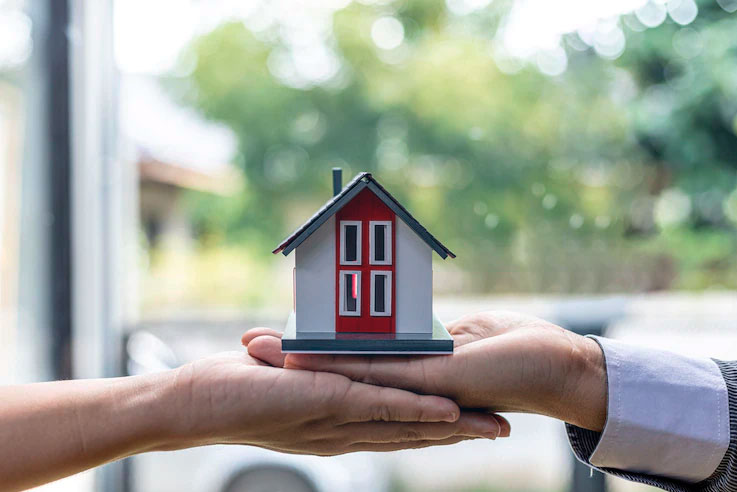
x=451, y=417
x=504, y=427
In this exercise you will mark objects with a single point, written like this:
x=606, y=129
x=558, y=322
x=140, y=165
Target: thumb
x=257, y=332
x=267, y=349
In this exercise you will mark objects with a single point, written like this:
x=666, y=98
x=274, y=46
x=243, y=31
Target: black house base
x=437, y=342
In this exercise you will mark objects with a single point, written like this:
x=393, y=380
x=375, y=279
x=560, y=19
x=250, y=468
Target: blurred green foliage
x=616, y=175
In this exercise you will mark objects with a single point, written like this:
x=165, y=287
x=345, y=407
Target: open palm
x=503, y=362
x=234, y=398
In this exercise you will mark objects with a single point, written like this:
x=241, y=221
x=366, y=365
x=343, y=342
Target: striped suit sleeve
x=724, y=478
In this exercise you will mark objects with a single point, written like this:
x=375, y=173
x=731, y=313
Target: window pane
x=379, y=249
x=351, y=291
x=379, y=297
x=351, y=243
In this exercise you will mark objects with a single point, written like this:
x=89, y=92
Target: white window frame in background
x=344, y=223
x=342, y=305
x=387, y=242
x=387, y=293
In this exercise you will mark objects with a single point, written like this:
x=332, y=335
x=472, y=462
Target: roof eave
x=321, y=216
x=358, y=183
x=408, y=219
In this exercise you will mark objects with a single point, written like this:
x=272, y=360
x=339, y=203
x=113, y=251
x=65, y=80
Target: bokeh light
x=682, y=12
x=15, y=38
x=387, y=33
x=652, y=14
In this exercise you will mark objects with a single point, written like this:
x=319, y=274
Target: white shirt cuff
x=667, y=415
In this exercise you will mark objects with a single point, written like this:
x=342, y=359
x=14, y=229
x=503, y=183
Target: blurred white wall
x=10, y=166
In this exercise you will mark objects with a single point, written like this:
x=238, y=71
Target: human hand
x=503, y=362
x=55, y=429
x=234, y=398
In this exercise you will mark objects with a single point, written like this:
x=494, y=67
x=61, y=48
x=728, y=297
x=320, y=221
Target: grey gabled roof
x=361, y=181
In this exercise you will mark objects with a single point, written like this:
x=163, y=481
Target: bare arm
x=52, y=430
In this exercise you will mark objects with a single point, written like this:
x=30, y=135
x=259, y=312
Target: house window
x=350, y=242
x=381, y=293
x=350, y=293
x=380, y=242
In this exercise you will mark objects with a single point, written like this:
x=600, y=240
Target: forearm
x=52, y=430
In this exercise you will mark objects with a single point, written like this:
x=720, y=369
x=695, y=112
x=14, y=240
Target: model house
x=363, y=276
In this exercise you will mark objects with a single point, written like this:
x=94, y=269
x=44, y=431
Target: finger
x=505, y=426
x=463, y=338
x=464, y=330
x=258, y=332
x=366, y=402
x=469, y=424
x=266, y=349
x=398, y=446
x=460, y=332
x=418, y=374
x=473, y=327
x=486, y=324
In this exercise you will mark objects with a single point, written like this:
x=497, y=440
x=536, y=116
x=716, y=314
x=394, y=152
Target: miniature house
x=363, y=276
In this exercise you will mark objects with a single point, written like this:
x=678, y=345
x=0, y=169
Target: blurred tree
x=537, y=182
x=685, y=110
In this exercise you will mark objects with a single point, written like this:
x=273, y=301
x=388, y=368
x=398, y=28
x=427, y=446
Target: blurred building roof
x=220, y=182
x=174, y=144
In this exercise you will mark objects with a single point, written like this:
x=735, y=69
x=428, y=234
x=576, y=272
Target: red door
x=365, y=266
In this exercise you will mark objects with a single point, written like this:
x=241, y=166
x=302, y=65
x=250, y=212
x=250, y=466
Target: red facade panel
x=365, y=207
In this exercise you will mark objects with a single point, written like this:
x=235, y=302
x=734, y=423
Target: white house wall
x=315, y=276
x=413, y=281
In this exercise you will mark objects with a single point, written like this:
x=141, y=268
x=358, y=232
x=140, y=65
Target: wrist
x=153, y=402
x=184, y=421
x=586, y=400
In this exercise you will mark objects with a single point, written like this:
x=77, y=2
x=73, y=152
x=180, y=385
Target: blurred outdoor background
x=579, y=156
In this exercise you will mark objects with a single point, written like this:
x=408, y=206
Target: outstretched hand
x=503, y=362
x=55, y=429
x=234, y=398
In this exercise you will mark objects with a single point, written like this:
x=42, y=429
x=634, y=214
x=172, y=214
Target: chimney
x=337, y=180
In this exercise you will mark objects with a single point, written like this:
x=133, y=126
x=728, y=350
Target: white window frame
x=344, y=223
x=387, y=242
x=342, y=304
x=387, y=293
